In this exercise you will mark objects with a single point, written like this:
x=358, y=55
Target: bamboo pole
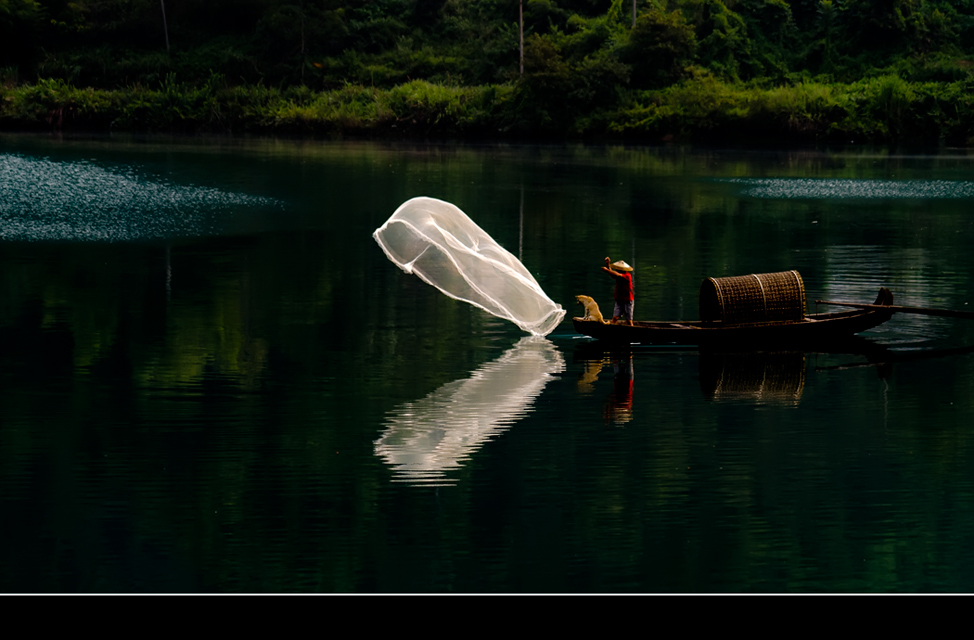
x=947, y=313
x=520, y=33
x=165, y=24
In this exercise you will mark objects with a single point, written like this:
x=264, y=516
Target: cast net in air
x=440, y=244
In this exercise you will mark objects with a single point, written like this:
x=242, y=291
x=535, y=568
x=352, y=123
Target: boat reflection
x=772, y=377
x=763, y=377
x=883, y=358
x=426, y=439
x=755, y=376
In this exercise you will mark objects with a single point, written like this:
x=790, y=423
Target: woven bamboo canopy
x=752, y=299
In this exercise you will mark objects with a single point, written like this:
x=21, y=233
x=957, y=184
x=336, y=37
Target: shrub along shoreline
x=881, y=109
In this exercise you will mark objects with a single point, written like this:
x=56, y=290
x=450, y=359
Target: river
x=214, y=380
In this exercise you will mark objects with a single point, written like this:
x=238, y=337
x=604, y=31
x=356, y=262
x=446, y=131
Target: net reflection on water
x=426, y=439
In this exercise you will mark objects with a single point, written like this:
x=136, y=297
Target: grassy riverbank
x=881, y=109
x=416, y=108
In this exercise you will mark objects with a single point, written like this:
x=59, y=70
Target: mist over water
x=82, y=201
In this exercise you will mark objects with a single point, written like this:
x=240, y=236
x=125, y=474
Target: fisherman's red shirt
x=623, y=287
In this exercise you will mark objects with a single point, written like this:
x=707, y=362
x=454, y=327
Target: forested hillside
x=877, y=70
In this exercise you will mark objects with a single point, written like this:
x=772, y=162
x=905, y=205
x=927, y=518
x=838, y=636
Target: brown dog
x=591, y=309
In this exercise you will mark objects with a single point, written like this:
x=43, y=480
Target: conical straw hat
x=620, y=265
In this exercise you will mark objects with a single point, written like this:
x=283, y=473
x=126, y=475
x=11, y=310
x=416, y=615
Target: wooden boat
x=724, y=323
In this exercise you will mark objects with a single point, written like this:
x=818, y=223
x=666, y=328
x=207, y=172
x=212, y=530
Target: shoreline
x=880, y=110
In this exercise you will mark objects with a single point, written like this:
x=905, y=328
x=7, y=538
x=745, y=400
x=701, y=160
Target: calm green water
x=213, y=380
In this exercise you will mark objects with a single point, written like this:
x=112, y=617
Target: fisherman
x=622, y=273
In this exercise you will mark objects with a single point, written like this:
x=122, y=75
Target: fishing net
x=441, y=245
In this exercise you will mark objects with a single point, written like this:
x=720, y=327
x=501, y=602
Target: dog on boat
x=591, y=309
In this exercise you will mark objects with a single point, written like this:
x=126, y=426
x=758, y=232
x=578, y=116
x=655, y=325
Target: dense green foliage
x=879, y=70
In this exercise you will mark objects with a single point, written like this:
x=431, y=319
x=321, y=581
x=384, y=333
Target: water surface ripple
x=81, y=201
x=817, y=188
